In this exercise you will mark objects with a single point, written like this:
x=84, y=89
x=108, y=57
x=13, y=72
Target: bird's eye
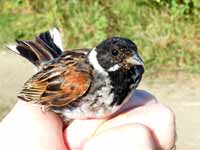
x=115, y=52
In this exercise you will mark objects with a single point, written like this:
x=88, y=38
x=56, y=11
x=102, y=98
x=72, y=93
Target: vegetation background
x=167, y=33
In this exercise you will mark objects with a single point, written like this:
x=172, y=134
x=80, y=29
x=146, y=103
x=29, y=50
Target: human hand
x=141, y=124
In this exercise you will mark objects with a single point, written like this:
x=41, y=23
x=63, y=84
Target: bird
x=84, y=83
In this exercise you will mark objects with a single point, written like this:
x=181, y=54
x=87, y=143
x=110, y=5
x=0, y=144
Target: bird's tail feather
x=47, y=46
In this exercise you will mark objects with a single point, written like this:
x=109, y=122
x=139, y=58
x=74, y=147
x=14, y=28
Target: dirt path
x=180, y=92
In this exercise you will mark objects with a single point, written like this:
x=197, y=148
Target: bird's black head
x=116, y=53
x=118, y=58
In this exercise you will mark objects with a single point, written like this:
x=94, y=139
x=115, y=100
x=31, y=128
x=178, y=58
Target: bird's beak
x=135, y=60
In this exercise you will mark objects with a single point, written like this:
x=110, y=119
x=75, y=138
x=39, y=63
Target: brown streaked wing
x=58, y=84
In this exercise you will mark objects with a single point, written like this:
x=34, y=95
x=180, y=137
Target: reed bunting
x=80, y=83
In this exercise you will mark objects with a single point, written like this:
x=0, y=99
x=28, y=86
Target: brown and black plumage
x=82, y=83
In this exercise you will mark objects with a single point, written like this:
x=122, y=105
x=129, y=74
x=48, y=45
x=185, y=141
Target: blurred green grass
x=167, y=40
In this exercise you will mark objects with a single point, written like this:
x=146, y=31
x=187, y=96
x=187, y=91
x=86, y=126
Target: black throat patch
x=123, y=82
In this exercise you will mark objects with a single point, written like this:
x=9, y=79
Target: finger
x=27, y=127
x=79, y=131
x=86, y=128
x=128, y=137
x=159, y=118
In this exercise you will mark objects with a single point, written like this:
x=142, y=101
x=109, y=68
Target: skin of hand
x=142, y=124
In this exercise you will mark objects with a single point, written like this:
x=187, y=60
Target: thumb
x=27, y=127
